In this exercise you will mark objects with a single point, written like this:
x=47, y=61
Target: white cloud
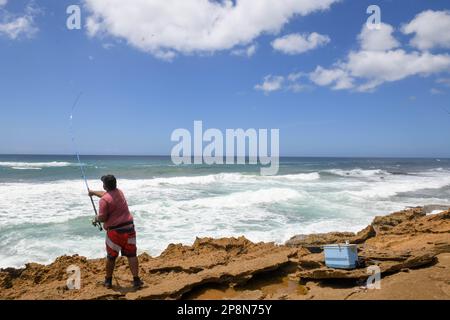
x=18, y=27
x=373, y=68
x=3, y=2
x=108, y=45
x=444, y=81
x=387, y=66
x=290, y=83
x=295, y=76
x=165, y=28
x=245, y=52
x=14, y=26
x=378, y=61
x=337, y=78
x=431, y=29
x=435, y=91
x=270, y=83
x=298, y=43
x=378, y=39
x=297, y=87
x=380, y=57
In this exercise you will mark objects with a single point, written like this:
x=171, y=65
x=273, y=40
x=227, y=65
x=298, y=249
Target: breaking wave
x=34, y=165
x=245, y=198
x=358, y=173
x=54, y=215
x=231, y=177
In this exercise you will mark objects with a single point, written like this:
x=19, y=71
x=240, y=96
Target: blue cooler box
x=341, y=256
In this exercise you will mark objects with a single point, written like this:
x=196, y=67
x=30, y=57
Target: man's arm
x=102, y=211
x=96, y=193
x=102, y=215
x=100, y=218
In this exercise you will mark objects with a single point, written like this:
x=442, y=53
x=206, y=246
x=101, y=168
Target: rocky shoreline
x=410, y=247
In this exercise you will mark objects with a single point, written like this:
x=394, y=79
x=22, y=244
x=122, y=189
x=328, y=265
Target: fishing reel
x=97, y=224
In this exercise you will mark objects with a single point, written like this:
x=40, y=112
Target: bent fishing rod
x=95, y=223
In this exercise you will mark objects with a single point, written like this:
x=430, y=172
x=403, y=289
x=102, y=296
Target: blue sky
x=135, y=94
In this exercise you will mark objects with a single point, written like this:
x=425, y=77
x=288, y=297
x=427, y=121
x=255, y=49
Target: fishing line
x=83, y=173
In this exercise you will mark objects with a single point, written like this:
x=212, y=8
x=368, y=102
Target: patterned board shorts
x=123, y=241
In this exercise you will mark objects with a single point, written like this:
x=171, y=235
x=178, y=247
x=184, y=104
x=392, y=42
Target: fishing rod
x=83, y=173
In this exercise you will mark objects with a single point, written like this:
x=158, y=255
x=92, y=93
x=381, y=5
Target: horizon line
x=285, y=156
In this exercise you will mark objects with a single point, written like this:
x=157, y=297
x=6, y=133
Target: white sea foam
x=45, y=202
x=34, y=165
x=312, y=176
x=245, y=198
x=401, y=184
x=358, y=173
x=231, y=178
x=21, y=250
x=208, y=179
x=178, y=209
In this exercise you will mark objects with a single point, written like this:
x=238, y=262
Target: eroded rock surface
x=176, y=271
x=401, y=244
x=403, y=240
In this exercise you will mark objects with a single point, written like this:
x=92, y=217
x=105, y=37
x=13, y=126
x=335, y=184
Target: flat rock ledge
x=403, y=241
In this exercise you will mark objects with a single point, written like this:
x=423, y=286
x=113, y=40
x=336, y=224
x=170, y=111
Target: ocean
x=45, y=212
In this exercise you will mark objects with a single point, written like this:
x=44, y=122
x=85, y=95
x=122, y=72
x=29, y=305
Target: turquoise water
x=45, y=213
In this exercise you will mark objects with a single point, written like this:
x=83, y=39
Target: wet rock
x=250, y=295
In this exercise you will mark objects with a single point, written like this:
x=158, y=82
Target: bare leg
x=110, y=264
x=134, y=266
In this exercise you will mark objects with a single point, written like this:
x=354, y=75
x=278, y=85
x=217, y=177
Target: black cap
x=110, y=182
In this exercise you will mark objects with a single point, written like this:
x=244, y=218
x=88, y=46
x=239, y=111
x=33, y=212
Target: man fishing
x=120, y=233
